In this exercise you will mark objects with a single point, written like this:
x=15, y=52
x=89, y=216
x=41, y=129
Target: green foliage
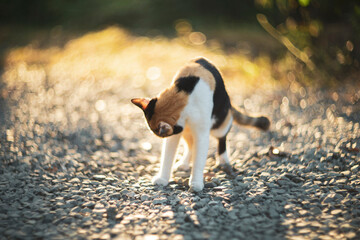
x=327, y=32
x=304, y=3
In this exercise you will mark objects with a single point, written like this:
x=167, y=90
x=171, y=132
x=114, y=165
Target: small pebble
x=99, y=177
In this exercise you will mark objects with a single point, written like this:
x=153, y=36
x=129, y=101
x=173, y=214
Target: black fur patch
x=149, y=111
x=186, y=84
x=177, y=129
x=222, y=145
x=221, y=98
x=263, y=123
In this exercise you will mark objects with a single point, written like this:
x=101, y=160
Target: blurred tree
x=328, y=31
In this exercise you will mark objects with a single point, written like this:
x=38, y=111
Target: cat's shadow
x=216, y=214
x=181, y=177
x=224, y=209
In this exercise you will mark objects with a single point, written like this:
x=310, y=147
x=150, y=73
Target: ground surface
x=76, y=162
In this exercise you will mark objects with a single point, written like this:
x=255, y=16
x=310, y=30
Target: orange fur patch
x=188, y=137
x=168, y=107
x=195, y=69
x=227, y=119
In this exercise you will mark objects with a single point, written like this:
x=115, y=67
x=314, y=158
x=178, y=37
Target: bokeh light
x=153, y=73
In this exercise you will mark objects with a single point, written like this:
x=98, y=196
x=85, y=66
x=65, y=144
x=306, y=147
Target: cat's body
x=195, y=106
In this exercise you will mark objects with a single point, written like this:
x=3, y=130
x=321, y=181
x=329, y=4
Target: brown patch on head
x=195, y=69
x=170, y=103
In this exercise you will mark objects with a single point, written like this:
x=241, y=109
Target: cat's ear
x=177, y=129
x=141, y=102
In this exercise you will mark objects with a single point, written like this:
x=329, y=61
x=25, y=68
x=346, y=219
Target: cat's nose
x=164, y=129
x=162, y=132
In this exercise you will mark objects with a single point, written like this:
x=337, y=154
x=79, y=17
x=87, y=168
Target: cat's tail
x=262, y=123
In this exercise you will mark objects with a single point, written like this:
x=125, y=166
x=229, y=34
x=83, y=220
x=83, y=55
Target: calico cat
x=195, y=106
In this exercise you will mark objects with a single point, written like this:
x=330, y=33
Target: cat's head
x=159, y=123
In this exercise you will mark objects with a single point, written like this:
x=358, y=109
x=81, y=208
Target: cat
x=195, y=106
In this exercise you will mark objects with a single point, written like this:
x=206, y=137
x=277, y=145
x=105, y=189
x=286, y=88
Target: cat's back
x=204, y=85
x=202, y=69
x=191, y=73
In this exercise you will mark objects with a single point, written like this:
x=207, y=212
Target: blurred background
x=68, y=69
x=318, y=37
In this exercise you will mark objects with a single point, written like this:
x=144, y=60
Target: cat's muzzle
x=164, y=129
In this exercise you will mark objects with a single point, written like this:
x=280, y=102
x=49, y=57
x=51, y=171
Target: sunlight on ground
x=70, y=109
x=113, y=55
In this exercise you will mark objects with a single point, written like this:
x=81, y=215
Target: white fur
x=223, y=158
x=197, y=116
x=213, y=120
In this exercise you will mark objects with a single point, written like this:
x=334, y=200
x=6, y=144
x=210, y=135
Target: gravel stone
x=74, y=166
x=159, y=201
x=144, y=197
x=210, y=185
x=115, y=196
x=99, y=177
x=75, y=180
x=90, y=204
x=130, y=194
x=111, y=212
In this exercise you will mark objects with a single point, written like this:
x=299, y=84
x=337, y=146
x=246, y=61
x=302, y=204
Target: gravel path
x=77, y=162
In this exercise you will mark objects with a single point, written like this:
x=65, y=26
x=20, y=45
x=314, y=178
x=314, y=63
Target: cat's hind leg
x=223, y=161
x=223, y=158
x=220, y=133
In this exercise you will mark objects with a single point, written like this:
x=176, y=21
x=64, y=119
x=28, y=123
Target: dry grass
x=114, y=56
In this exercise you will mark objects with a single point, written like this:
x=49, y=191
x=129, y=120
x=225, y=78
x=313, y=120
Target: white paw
x=160, y=181
x=196, y=186
x=223, y=159
x=182, y=166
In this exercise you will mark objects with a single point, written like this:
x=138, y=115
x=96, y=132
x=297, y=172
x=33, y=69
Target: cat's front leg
x=167, y=158
x=184, y=163
x=200, y=150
